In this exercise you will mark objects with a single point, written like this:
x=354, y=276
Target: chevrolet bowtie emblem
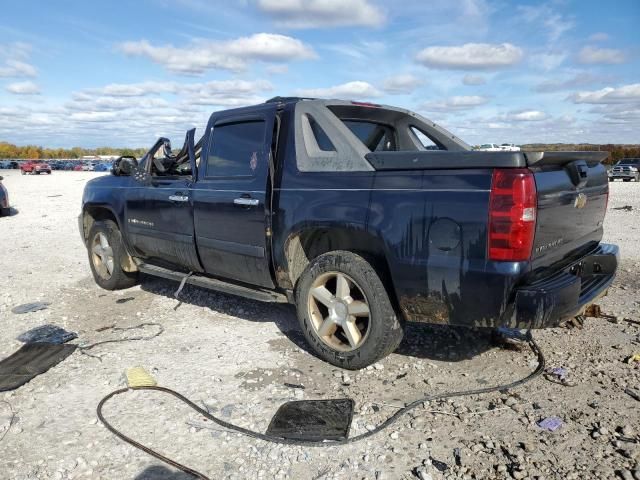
x=580, y=201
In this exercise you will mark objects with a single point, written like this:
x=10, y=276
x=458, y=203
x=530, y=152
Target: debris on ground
x=438, y=465
x=124, y=300
x=457, y=455
x=626, y=208
x=30, y=307
x=550, y=424
x=633, y=358
x=139, y=377
x=30, y=361
x=632, y=393
x=294, y=385
x=47, y=334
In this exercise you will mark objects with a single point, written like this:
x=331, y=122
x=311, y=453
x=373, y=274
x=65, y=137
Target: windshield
x=631, y=161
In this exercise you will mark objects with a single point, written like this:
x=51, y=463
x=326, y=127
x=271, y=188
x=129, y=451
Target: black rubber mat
x=30, y=361
x=314, y=420
x=47, y=334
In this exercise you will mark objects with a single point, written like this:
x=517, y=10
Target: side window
x=236, y=149
x=324, y=143
x=426, y=142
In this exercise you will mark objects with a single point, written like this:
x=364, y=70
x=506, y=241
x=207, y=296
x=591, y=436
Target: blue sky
x=122, y=73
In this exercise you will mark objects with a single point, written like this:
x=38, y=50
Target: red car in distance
x=35, y=167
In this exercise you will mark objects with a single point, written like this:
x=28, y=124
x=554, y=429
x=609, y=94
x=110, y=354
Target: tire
x=626, y=179
x=116, y=278
x=611, y=179
x=380, y=329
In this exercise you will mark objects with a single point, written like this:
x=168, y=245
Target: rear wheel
x=345, y=312
x=106, y=252
x=626, y=179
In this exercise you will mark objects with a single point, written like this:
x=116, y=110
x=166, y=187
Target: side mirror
x=124, y=166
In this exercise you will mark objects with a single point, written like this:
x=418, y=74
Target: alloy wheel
x=339, y=311
x=102, y=255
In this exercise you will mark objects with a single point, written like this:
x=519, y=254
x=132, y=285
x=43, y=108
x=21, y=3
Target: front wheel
x=345, y=312
x=106, y=252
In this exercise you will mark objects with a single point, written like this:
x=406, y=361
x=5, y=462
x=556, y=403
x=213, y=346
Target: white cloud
x=526, y=116
x=13, y=61
x=403, y=83
x=462, y=102
x=23, y=88
x=471, y=56
x=610, y=95
x=579, y=80
x=474, y=80
x=350, y=90
x=543, y=14
x=591, y=55
x=547, y=61
x=133, y=89
x=277, y=69
x=322, y=13
x=599, y=37
x=234, y=55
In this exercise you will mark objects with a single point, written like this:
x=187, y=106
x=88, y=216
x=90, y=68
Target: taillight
x=512, y=215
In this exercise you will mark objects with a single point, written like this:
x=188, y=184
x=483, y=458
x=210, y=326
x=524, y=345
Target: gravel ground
x=235, y=357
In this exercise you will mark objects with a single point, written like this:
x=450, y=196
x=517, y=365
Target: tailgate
x=572, y=200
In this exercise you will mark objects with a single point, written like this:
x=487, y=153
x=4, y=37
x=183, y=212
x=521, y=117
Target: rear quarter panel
x=434, y=226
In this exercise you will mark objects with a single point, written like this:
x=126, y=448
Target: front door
x=231, y=210
x=159, y=210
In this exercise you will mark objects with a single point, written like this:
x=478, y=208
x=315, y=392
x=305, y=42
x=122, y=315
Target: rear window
x=375, y=136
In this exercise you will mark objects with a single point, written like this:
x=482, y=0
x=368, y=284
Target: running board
x=214, y=284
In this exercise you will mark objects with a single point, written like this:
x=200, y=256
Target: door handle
x=246, y=202
x=179, y=198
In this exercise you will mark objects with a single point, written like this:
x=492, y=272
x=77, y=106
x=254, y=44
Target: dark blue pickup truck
x=365, y=216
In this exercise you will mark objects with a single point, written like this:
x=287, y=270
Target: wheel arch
x=304, y=245
x=92, y=213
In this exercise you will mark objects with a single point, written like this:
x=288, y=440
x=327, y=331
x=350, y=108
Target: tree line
x=616, y=152
x=11, y=151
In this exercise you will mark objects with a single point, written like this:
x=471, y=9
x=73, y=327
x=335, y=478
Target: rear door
x=231, y=206
x=159, y=215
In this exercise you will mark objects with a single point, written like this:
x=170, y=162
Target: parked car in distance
x=627, y=170
x=509, y=147
x=78, y=167
x=489, y=147
x=5, y=164
x=5, y=208
x=102, y=167
x=35, y=167
x=341, y=209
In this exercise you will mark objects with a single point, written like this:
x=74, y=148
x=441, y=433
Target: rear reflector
x=512, y=215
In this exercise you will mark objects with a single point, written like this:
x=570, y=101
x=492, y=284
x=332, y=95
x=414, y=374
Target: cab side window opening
x=426, y=142
x=236, y=149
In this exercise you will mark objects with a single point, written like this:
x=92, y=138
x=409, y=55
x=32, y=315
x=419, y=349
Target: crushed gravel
x=240, y=358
